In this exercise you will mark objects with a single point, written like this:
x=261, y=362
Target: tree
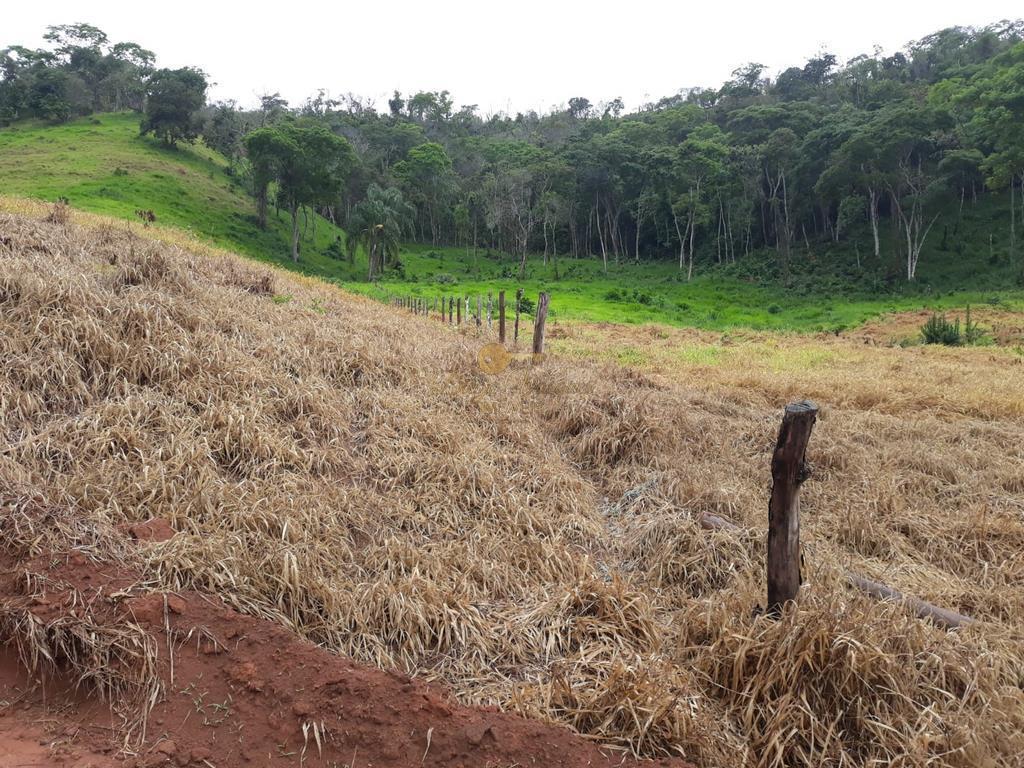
x=223, y=130
x=308, y=163
x=378, y=224
x=426, y=173
x=174, y=99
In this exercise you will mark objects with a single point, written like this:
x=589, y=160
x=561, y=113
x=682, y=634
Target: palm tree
x=378, y=224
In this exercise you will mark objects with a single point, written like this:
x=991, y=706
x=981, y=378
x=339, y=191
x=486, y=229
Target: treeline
x=878, y=145
x=83, y=72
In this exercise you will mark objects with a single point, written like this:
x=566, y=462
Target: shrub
x=774, y=309
x=526, y=305
x=938, y=330
x=973, y=334
x=335, y=250
x=443, y=278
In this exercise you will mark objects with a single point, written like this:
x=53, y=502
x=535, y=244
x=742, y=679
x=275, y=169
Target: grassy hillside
x=102, y=165
x=533, y=539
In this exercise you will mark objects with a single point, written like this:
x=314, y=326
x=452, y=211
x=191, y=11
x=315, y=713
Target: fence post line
x=789, y=471
x=501, y=317
x=539, y=321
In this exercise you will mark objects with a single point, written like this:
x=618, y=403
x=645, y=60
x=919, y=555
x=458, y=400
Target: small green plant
x=939, y=330
x=973, y=334
x=526, y=305
x=282, y=298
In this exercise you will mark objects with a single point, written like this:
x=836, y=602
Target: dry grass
x=342, y=468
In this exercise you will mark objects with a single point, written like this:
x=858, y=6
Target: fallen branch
x=941, y=616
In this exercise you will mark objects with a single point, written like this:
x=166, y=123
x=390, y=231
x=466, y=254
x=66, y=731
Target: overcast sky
x=503, y=56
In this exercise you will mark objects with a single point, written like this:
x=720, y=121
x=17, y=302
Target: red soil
x=242, y=690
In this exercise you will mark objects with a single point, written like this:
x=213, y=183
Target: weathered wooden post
x=501, y=317
x=490, y=309
x=451, y=310
x=539, y=320
x=789, y=471
x=458, y=312
x=515, y=327
x=479, y=309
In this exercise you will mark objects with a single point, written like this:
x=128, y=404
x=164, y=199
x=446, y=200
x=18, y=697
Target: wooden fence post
x=539, y=320
x=490, y=309
x=515, y=328
x=501, y=317
x=788, y=473
x=479, y=309
x=458, y=312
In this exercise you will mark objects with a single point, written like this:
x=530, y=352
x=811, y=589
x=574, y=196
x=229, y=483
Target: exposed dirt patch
x=1005, y=328
x=246, y=692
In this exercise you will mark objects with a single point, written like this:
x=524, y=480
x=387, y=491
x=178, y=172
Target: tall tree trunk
x=682, y=241
x=261, y=207
x=639, y=221
x=295, y=233
x=600, y=234
x=1013, y=216
x=693, y=230
x=544, y=226
x=873, y=213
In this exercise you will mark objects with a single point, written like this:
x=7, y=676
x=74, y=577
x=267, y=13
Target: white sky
x=512, y=56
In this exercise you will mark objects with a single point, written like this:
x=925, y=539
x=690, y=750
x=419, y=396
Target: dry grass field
x=531, y=539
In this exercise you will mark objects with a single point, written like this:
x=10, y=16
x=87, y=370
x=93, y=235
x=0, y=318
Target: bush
x=526, y=305
x=774, y=309
x=938, y=330
x=335, y=249
x=642, y=297
x=443, y=278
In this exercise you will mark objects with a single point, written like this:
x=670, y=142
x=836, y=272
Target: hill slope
x=102, y=165
x=532, y=539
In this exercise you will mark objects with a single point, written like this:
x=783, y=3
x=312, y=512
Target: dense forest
x=881, y=145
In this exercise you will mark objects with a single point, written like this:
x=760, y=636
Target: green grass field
x=102, y=165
